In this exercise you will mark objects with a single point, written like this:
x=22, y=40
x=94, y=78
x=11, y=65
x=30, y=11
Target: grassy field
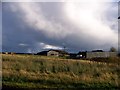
x=32, y=71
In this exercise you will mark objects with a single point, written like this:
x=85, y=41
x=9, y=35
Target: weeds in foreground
x=24, y=70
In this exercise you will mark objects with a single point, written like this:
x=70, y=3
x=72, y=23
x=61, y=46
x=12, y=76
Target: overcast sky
x=36, y=26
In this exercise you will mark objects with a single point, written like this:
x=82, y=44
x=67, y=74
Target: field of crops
x=32, y=71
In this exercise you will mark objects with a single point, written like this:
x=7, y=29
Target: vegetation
x=113, y=49
x=32, y=71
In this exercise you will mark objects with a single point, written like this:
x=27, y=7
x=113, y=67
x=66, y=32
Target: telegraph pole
x=64, y=47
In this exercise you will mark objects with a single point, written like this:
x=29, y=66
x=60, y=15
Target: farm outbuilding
x=83, y=54
x=52, y=52
x=57, y=53
x=96, y=54
x=8, y=53
x=100, y=54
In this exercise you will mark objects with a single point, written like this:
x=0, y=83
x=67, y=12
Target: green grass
x=32, y=71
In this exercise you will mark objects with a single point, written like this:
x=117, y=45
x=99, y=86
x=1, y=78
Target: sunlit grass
x=54, y=72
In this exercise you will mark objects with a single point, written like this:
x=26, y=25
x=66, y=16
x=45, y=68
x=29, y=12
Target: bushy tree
x=113, y=49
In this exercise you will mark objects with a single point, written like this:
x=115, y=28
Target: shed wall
x=100, y=54
x=53, y=53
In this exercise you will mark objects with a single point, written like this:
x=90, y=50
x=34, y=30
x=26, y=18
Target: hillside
x=30, y=71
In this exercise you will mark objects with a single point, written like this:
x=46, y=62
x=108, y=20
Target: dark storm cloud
x=31, y=27
x=15, y=33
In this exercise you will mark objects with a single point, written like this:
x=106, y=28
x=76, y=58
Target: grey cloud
x=35, y=23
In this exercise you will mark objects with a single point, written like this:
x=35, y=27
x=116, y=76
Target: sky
x=32, y=27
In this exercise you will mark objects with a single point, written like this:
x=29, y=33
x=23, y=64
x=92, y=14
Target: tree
x=119, y=17
x=113, y=49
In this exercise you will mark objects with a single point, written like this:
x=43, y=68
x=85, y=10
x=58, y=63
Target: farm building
x=60, y=53
x=85, y=54
x=100, y=54
x=53, y=52
x=97, y=54
x=8, y=53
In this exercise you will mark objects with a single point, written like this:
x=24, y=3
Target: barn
x=100, y=54
x=8, y=53
x=83, y=54
x=52, y=52
x=96, y=54
x=58, y=53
